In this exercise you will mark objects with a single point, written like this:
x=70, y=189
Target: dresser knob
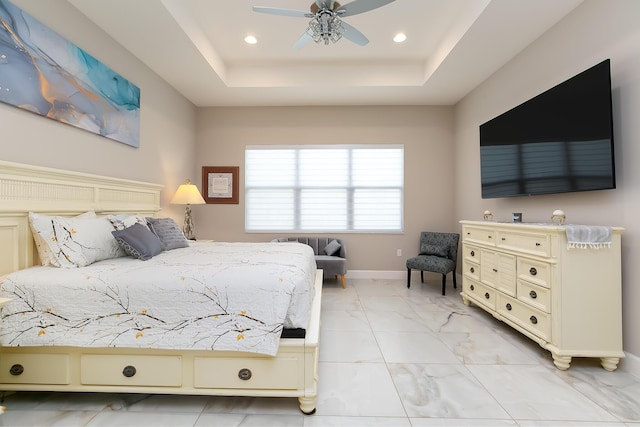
x=244, y=374
x=533, y=271
x=503, y=239
x=473, y=253
x=472, y=287
x=473, y=270
x=486, y=295
x=537, y=244
x=16, y=370
x=495, y=270
x=533, y=294
x=533, y=320
x=129, y=371
x=508, y=306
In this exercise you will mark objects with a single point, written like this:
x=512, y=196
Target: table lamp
x=188, y=194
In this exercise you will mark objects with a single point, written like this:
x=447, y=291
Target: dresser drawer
x=534, y=295
x=471, y=270
x=259, y=373
x=162, y=371
x=480, y=235
x=530, y=243
x=480, y=293
x=471, y=253
x=533, y=271
x=533, y=320
x=34, y=368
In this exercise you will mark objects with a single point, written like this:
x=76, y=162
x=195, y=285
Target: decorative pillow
x=427, y=249
x=138, y=241
x=70, y=242
x=122, y=221
x=168, y=232
x=332, y=247
x=42, y=221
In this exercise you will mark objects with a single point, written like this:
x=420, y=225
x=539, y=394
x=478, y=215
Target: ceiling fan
x=326, y=23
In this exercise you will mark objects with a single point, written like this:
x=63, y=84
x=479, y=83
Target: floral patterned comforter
x=218, y=296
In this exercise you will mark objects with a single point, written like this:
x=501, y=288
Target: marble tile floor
x=390, y=356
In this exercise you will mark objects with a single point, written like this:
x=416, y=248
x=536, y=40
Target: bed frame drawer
x=34, y=368
x=159, y=371
x=258, y=373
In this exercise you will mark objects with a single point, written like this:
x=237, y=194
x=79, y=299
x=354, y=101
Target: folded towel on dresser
x=588, y=236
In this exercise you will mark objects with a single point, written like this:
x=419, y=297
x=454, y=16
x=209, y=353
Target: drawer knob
x=533, y=320
x=508, y=306
x=486, y=295
x=473, y=253
x=489, y=236
x=244, y=374
x=537, y=244
x=473, y=270
x=472, y=287
x=129, y=371
x=533, y=271
x=503, y=239
x=16, y=370
x=533, y=294
x=495, y=270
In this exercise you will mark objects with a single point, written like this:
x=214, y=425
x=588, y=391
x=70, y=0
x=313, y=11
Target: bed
x=150, y=350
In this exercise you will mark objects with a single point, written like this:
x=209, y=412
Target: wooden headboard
x=25, y=188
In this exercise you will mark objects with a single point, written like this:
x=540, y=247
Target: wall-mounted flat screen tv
x=560, y=141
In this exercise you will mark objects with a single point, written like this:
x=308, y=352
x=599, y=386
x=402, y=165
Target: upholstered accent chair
x=438, y=254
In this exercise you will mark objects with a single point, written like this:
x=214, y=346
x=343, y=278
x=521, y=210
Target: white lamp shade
x=187, y=194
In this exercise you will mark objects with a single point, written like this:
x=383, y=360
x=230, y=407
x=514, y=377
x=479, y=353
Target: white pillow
x=122, y=221
x=42, y=222
x=75, y=242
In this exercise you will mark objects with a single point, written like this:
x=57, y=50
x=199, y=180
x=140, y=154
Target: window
x=342, y=188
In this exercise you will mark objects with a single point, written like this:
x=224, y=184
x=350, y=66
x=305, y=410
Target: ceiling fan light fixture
x=325, y=27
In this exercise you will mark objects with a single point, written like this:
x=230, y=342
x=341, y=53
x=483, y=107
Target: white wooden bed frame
x=293, y=372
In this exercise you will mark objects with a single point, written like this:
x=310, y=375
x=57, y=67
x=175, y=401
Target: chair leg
x=408, y=278
x=344, y=283
x=455, y=285
x=421, y=276
x=444, y=282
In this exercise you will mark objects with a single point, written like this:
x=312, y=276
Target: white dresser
x=567, y=300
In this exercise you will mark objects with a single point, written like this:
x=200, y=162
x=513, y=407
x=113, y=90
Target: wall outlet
x=399, y=252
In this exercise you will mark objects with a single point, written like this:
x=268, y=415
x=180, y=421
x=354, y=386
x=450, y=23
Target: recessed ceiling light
x=399, y=38
x=251, y=39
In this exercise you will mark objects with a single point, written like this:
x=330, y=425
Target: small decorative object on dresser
x=558, y=217
x=568, y=300
x=488, y=216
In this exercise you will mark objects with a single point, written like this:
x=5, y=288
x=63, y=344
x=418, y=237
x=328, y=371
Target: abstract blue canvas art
x=44, y=73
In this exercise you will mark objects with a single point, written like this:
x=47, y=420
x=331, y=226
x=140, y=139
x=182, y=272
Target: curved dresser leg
x=561, y=362
x=466, y=301
x=609, y=363
x=308, y=405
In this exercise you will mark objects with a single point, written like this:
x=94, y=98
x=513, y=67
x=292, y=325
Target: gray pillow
x=138, y=241
x=168, y=232
x=437, y=250
x=332, y=247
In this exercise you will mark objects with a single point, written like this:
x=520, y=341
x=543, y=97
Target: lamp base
x=188, y=229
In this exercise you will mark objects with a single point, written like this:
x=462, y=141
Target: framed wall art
x=220, y=184
x=44, y=73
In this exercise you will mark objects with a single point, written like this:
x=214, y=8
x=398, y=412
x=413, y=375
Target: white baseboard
x=630, y=363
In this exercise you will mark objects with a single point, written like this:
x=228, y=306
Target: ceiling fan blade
x=302, y=41
x=361, y=6
x=281, y=12
x=350, y=33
